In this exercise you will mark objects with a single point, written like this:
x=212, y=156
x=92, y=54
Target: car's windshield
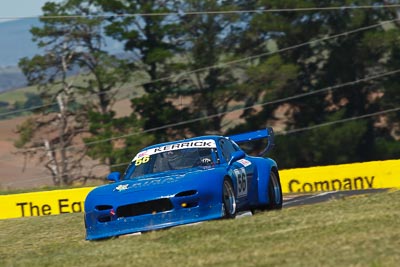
x=170, y=160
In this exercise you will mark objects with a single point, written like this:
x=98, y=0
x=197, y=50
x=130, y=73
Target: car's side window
x=227, y=148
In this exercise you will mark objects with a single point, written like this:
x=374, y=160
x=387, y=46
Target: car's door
x=241, y=171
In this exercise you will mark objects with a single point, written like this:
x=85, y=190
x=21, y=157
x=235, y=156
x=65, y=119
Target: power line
x=27, y=109
x=215, y=12
x=293, y=131
x=270, y=53
x=277, y=101
x=282, y=100
x=339, y=121
x=273, y=102
x=225, y=64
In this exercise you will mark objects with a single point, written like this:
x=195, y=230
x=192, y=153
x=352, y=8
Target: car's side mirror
x=236, y=156
x=114, y=176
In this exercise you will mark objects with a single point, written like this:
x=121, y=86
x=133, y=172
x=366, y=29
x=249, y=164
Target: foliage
x=26, y=132
x=319, y=65
x=31, y=101
x=116, y=152
x=208, y=42
x=69, y=44
x=271, y=65
x=150, y=41
x=305, y=149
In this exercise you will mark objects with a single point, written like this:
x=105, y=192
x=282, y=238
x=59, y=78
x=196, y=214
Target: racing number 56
x=139, y=161
x=241, y=178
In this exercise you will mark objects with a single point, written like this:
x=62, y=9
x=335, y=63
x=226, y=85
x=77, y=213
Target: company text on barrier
x=332, y=185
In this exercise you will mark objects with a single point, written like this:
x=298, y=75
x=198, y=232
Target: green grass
x=15, y=95
x=127, y=90
x=358, y=231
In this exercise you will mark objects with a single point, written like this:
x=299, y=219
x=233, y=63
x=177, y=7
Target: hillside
x=13, y=172
x=10, y=78
x=18, y=172
x=19, y=44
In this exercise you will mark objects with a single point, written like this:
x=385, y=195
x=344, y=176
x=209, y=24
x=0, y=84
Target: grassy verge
x=358, y=231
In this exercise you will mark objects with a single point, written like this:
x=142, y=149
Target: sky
x=21, y=8
x=19, y=43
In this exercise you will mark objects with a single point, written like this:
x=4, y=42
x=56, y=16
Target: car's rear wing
x=256, y=135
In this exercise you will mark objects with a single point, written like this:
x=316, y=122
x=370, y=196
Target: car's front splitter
x=149, y=222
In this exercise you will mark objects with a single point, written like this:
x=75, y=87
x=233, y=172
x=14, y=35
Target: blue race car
x=184, y=182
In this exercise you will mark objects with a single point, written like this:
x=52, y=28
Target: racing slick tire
x=228, y=200
x=274, y=192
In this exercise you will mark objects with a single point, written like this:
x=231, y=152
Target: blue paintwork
x=195, y=193
x=256, y=135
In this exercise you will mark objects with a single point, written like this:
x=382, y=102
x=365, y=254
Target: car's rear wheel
x=228, y=200
x=274, y=192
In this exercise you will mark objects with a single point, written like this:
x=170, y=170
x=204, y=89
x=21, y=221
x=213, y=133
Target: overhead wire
x=277, y=133
x=224, y=64
x=253, y=57
x=292, y=131
x=339, y=121
x=212, y=12
x=277, y=101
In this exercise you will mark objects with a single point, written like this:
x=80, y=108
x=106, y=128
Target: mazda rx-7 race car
x=184, y=182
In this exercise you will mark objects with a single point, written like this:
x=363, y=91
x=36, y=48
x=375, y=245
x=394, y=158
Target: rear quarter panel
x=263, y=167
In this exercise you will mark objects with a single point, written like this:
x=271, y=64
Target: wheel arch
x=275, y=170
x=264, y=169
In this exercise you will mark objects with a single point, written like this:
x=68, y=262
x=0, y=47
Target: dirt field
x=16, y=172
x=12, y=172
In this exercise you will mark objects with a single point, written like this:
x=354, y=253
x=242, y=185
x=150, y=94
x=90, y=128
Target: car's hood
x=161, y=182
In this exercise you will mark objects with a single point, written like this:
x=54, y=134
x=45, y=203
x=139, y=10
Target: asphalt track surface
x=310, y=199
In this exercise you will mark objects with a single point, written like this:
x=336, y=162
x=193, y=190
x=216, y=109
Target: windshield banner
x=207, y=143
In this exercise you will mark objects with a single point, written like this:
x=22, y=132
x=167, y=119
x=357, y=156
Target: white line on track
x=309, y=197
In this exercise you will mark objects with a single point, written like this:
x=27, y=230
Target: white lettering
x=207, y=143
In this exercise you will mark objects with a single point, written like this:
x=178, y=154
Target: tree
x=207, y=42
x=105, y=143
x=317, y=65
x=71, y=46
x=150, y=42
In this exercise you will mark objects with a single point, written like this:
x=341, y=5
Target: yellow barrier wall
x=43, y=203
x=377, y=174
x=356, y=176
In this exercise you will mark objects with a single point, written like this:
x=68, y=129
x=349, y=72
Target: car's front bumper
x=148, y=222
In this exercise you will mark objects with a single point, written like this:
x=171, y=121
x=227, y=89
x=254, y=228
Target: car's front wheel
x=228, y=199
